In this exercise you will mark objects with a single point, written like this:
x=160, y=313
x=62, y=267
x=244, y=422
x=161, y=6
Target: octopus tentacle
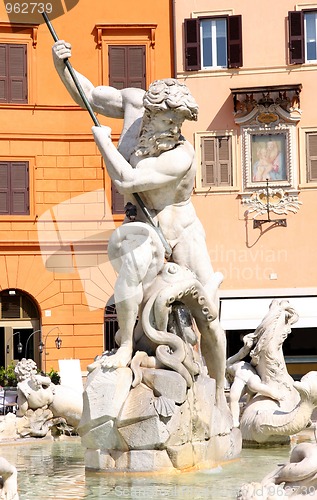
x=173, y=351
x=164, y=355
x=174, y=357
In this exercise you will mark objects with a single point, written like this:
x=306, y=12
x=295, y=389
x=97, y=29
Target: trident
x=168, y=250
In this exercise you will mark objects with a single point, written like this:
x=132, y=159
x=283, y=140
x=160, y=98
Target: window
x=14, y=188
x=302, y=36
x=214, y=42
x=17, y=306
x=128, y=54
x=311, y=156
x=127, y=66
x=310, y=19
x=13, y=73
x=216, y=163
x=110, y=327
x=117, y=201
x=126, y=69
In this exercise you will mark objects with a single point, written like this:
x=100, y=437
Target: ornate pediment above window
x=267, y=117
x=267, y=105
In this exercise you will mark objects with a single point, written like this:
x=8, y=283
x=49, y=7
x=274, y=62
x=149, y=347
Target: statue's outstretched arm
x=105, y=100
x=61, y=51
x=240, y=355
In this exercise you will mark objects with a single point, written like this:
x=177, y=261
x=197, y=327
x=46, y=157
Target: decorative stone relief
x=268, y=118
x=279, y=201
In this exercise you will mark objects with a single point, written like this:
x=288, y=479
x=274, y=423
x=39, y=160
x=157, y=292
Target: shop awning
x=247, y=313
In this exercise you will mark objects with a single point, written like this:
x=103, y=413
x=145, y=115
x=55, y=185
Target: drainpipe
x=174, y=38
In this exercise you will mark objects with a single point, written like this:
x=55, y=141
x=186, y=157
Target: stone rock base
x=199, y=455
x=159, y=426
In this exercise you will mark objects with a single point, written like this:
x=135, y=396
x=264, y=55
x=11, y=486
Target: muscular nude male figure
x=154, y=160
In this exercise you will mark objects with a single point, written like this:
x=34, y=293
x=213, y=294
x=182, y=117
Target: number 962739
x=28, y=8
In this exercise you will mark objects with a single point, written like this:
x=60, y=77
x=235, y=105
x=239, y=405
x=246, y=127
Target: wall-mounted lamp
x=19, y=347
x=41, y=347
x=58, y=342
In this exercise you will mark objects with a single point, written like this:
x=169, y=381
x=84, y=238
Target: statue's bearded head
x=167, y=104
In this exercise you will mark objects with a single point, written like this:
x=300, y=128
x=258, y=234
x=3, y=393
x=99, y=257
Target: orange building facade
x=252, y=67
x=57, y=206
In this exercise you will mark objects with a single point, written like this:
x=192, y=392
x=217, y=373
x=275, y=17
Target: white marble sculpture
x=278, y=407
x=296, y=479
x=42, y=404
x=8, y=481
x=164, y=272
x=244, y=379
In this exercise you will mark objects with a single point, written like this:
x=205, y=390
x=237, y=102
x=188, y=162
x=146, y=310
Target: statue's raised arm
x=105, y=100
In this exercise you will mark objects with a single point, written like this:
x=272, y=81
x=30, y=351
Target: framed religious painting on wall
x=268, y=160
x=266, y=157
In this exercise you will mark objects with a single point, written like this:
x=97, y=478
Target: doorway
x=19, y=328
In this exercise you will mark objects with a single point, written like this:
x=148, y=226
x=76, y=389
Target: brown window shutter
x=17, y=73
x=311, y=150
x=296, y=37
x=127, y=66
x=14, y=188
x=192, y=44
x=216, y=165
x=224, y=156
x=117, y=201
x=208, y=165
x=19, y=187
x=234, y=41
x=118, y=67
x=10, y=306
x=4, y=187
x=136, y=66
x=3, y=73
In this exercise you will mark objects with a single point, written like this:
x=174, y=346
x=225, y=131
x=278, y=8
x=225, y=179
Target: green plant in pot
x=7, y=376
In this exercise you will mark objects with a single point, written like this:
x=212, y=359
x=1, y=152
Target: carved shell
x=164, y=406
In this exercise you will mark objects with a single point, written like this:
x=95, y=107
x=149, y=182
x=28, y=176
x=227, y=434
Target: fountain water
x=55, y=470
